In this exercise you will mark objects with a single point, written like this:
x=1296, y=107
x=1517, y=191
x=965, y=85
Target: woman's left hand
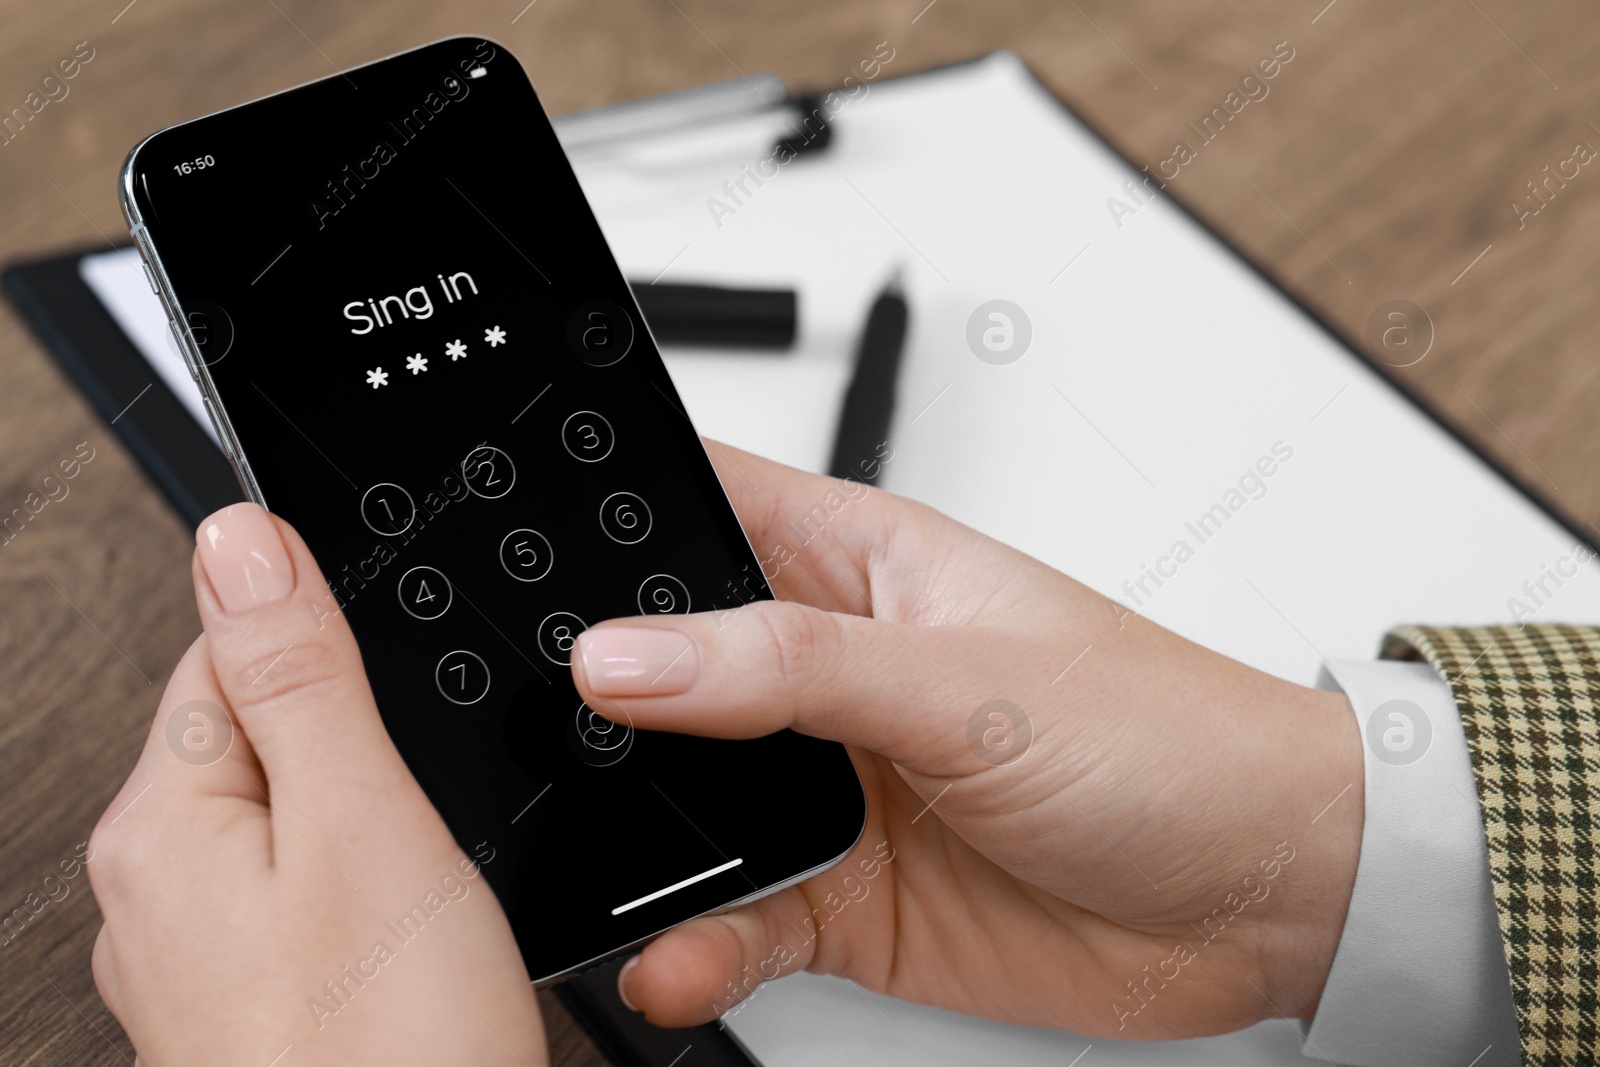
x=272, y=877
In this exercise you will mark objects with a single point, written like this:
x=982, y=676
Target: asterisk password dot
x=377, y=377
x=495, y=336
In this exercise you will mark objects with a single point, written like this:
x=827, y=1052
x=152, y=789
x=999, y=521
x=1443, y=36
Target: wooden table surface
x=1385, y=164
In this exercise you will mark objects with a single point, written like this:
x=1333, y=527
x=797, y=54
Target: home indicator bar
x=675, y=886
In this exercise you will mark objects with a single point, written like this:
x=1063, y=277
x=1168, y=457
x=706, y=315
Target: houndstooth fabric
x=1529, y=697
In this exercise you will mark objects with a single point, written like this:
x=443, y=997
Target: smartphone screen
x=420, y=352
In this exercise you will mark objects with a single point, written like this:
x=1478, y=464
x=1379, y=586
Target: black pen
x=868, y=405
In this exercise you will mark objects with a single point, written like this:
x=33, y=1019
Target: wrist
x=1325, y=771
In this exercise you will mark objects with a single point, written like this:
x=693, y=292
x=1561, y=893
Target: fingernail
x=244, y=557
x=623, y=661
x=622, y=982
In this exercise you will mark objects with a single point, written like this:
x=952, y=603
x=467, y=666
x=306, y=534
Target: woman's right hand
x=1152, y=865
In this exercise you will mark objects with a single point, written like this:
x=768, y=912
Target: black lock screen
x=421, y=353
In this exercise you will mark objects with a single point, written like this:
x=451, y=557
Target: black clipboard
x=109, y=370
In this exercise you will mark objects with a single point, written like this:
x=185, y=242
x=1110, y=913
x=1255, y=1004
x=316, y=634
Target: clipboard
x=177, y=453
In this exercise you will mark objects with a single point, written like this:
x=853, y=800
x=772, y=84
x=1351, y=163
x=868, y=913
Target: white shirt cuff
x=1420, y=976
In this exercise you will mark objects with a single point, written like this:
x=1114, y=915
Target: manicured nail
x=244, y=557
x=624, y=661
x=622, y=982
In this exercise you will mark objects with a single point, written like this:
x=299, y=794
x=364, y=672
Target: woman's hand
x=271, y=875
x=1171, y=855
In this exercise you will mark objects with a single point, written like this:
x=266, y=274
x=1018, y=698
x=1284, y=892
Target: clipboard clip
x=697, y=106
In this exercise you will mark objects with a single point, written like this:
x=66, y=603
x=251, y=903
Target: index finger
x=196, y=771
x=814, y=536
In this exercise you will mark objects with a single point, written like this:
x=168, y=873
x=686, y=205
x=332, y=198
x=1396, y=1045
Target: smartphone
x=416, y=347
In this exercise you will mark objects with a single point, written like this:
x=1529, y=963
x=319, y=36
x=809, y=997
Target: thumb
x=287, y=663
x=703, y=968
x=905, y=692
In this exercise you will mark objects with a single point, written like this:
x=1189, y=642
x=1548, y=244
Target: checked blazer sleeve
x=1529, y=699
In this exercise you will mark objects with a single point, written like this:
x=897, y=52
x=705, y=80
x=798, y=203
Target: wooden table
x=1385, y=164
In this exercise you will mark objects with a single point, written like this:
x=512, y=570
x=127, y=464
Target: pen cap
x=712, y=315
